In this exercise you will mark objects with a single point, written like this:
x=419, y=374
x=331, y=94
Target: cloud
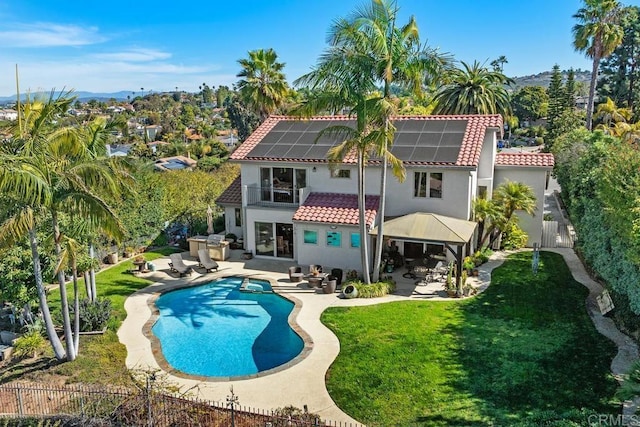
x=45, y=34
x=134, y=55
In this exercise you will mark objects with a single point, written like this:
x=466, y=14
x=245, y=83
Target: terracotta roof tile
x=544, y=160
x=336, y=208
x=232, y=195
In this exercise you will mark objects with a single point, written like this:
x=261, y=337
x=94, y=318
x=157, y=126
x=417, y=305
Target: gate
x=556, y=235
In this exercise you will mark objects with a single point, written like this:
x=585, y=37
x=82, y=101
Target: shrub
x=482, y=256
x=514, y=238
x=374, y=290
x=468, y=263
x=29, y=344
x=94, y=315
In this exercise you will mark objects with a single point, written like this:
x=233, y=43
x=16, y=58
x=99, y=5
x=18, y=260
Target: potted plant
x=450, y=284
x=129, y=251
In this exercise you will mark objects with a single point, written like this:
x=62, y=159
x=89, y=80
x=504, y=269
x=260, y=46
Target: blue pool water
x=218, y=331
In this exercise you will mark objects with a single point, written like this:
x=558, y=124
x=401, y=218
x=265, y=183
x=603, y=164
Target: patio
x=304, y=380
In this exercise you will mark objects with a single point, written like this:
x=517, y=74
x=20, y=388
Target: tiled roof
x=232, y=195
x=336, y=208
x=543, y=160
x=468, y=155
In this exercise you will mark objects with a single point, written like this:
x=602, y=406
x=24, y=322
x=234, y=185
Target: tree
x=473, y=89
x=557, y=105
x=597, y=34
x=262, y=86
x=509, y=197
x=498, y=63
x=54, y=173
x=619, y=72
x=242, y=119
x=530, y=103
x=608, y=114
x=368, y=50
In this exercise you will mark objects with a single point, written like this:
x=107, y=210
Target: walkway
x=303, y=383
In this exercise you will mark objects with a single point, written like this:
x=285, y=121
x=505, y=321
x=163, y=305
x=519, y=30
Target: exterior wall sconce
x=314, y=169
x=333, y=227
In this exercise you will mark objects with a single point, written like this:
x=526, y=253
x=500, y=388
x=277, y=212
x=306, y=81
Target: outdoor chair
x=295, y=274
x=205, y=260
x=177, y=265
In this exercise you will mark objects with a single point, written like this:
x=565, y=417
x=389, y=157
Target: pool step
x=248, y=286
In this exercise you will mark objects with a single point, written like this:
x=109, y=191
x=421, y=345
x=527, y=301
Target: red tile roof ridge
x=525, y=159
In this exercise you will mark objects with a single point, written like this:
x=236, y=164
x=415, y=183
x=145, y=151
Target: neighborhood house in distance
x=287, y=203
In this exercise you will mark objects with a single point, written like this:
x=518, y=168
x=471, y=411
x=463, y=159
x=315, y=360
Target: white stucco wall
x=271, y=215
x=230, y=221
x=536, y=179
x=320, y=253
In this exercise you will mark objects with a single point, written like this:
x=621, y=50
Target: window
x=334, y=238
x=311, y=237
x=435, y=185
x=425, y=180
x=238, y=214
x=355, y=240
x=341, y=173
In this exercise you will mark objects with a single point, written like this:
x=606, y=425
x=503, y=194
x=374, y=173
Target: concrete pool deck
x=301, y=384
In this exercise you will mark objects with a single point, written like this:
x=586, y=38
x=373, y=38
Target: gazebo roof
x=429, y=227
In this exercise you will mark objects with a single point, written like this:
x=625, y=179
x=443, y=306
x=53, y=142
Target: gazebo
x=456, y=234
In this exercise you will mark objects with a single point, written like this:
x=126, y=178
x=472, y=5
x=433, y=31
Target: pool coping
x=156, y=346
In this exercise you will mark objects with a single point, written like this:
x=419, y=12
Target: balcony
x=281, y=196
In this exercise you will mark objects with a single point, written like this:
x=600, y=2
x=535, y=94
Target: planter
x=350, y=291
x=451, y=293
x=247, y=255
x=112, y=258
x=475, y=272
x=329, y=286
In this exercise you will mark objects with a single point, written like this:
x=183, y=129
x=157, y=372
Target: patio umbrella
x=209, y=220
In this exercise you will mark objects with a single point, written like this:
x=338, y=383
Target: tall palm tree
x=597, y=34
x=369, y=48
x=473, y=89
x=262, y=86
x=54, y=173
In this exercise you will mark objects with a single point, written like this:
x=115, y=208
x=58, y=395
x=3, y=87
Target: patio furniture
x=316, y=281
x=329, y=286
x=337, y=272
x=295, y=274
x=177, y=265
x=350, y=291
x=205, y=260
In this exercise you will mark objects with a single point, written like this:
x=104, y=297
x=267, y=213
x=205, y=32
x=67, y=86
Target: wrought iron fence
x=142, y=407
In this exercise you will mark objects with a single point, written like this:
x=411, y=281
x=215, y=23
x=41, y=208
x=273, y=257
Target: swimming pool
x=217, y=330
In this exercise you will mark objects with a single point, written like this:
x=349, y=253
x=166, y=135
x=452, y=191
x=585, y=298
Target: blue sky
x=118, y=45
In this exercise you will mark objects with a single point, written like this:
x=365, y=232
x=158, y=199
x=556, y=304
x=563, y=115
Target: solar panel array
x=416, y=140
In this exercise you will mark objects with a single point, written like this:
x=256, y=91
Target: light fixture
x=333, y=227
x=314, y=169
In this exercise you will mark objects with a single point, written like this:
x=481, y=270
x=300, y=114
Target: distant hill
x=543, y=79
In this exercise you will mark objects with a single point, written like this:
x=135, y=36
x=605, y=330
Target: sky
x=120, y=45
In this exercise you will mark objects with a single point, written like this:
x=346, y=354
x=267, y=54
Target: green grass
x=102, y=358
x=522, y=351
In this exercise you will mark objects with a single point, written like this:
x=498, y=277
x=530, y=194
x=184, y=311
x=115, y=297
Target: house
x=7, y=114
x=288, y=203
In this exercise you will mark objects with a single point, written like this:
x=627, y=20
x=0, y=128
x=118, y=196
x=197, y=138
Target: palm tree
x=473, y=89
x=609, y=114
x=509, y=197
x=53, y=174
x=369, y=49
x=262, y=86
x=486, y=213
x=498, y=63
x=597, y=34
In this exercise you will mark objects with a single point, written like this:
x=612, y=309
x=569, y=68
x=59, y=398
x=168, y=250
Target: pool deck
x=301, y=384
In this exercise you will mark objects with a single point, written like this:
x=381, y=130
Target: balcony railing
x=274, y=196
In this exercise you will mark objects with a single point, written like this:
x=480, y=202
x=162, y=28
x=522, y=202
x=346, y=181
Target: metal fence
x=142, y=407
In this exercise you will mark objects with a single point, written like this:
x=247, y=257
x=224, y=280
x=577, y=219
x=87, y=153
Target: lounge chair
x=178, y=265
x=295, y=274
x=205, y=260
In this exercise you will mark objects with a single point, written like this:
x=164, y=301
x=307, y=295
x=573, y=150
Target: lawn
x=102, y=358
x=522, y=352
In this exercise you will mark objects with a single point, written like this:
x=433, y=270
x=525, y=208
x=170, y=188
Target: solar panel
x=424, y=154
x=405, y=139
x=451, y=140
x=456, y=125
x=403, y=153
x=447, y=154
x=415, y=140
